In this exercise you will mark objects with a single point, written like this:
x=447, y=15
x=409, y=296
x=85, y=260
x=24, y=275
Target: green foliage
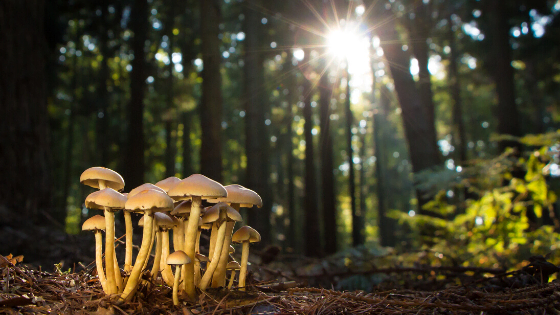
x=501, y=220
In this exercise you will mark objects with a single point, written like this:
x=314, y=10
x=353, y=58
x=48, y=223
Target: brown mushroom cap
x=201, y=257
x=97, y=222
x=238, y=194
x=246, y=233
x=167, y=183
x=178, y=258
x=182, y=209
x=197, y=185
x=164, y=221
x=93, y=175
x=105, y=198
x=233, y=265
x=231, y=249
x=149, y=199
x=146, y=186
x=213, y=214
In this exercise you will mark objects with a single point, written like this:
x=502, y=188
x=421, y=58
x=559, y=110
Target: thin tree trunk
x=357, y=220
x=170, y=140
x=211, y=105
x=256, y=135
x=507, y=112
x=134, y=164
x=23, y=112
x=327, y=165
x=101, y=116
x=311, y=228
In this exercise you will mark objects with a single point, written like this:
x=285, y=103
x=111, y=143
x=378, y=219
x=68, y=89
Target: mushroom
x=109, y=201
x=222, y=214
x=195, y=187
x=245, y=235
x=148, y=201
x=167, y=183
x=233, y=266
x=128, y=225
x=238, y=196
x=97, y=224
x=177, y=259
x=165, y=269
x=163, y=222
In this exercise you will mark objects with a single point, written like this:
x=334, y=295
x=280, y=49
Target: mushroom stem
x=110, y=251
x=215, y=258
x=176, y=285
x=244, y=261
x=151, y=246
x=99, y=260
x=197, y=270
x=179, y=235
x=190, y=237
x=142, y=255
x=166, y=272
x=157, y=258
x=118, y=276
x=219, y=278
x=128, y=249
x=213, y=239
x=231, y=278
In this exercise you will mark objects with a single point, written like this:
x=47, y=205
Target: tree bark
x=211, y=105
x=170, y=119
x=311, y=227
x=134, y=164
x=101, y=116
x=256, y=134
x=24, y=147
x=419, y=135
x=507, y=112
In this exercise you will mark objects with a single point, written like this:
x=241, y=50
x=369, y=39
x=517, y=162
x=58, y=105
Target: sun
x=343, y=43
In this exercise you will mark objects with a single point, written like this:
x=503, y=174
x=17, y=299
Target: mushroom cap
x=164, y=221
x=197, y=185
x=149, y=199
x=97, y=222
x=93, y=175
x=200, y=257
x=105, y=198
x=231, y=249
x=246, y=233
x=238, y=194
x=167, y=183
x=182, y=209
x=233, y=265
x=213, y=214
x=178, y=258
x=143, y=187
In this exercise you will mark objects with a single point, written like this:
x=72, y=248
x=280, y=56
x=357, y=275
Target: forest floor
x=413, y=290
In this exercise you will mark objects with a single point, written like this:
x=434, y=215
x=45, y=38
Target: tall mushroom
x=238, y=196
x=97, y=224
x=245, y=235
x=195, y=187
x=101, y=178
x=167, y=183
x=177, y=259
x=109, y=201
x=147, y=201
x=222, y=214
x=163, y=224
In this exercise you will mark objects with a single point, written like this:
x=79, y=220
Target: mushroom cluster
x=176, y=206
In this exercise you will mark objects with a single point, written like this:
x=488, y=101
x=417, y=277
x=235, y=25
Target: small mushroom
x=245, y=235
x=163, y=222
x=177, y=259
x=233, y=266
x=97, y=224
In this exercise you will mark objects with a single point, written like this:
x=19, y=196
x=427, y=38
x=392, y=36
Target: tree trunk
x=507, y=112
x=23, y=111
x=357, y=219
x=101, y=116
x=134, y=164
x=419, y=134
x=459, y=136
x=170, y=111
x=311, y=228
x=327, y=164
x=211, y=105
x=256, y=135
